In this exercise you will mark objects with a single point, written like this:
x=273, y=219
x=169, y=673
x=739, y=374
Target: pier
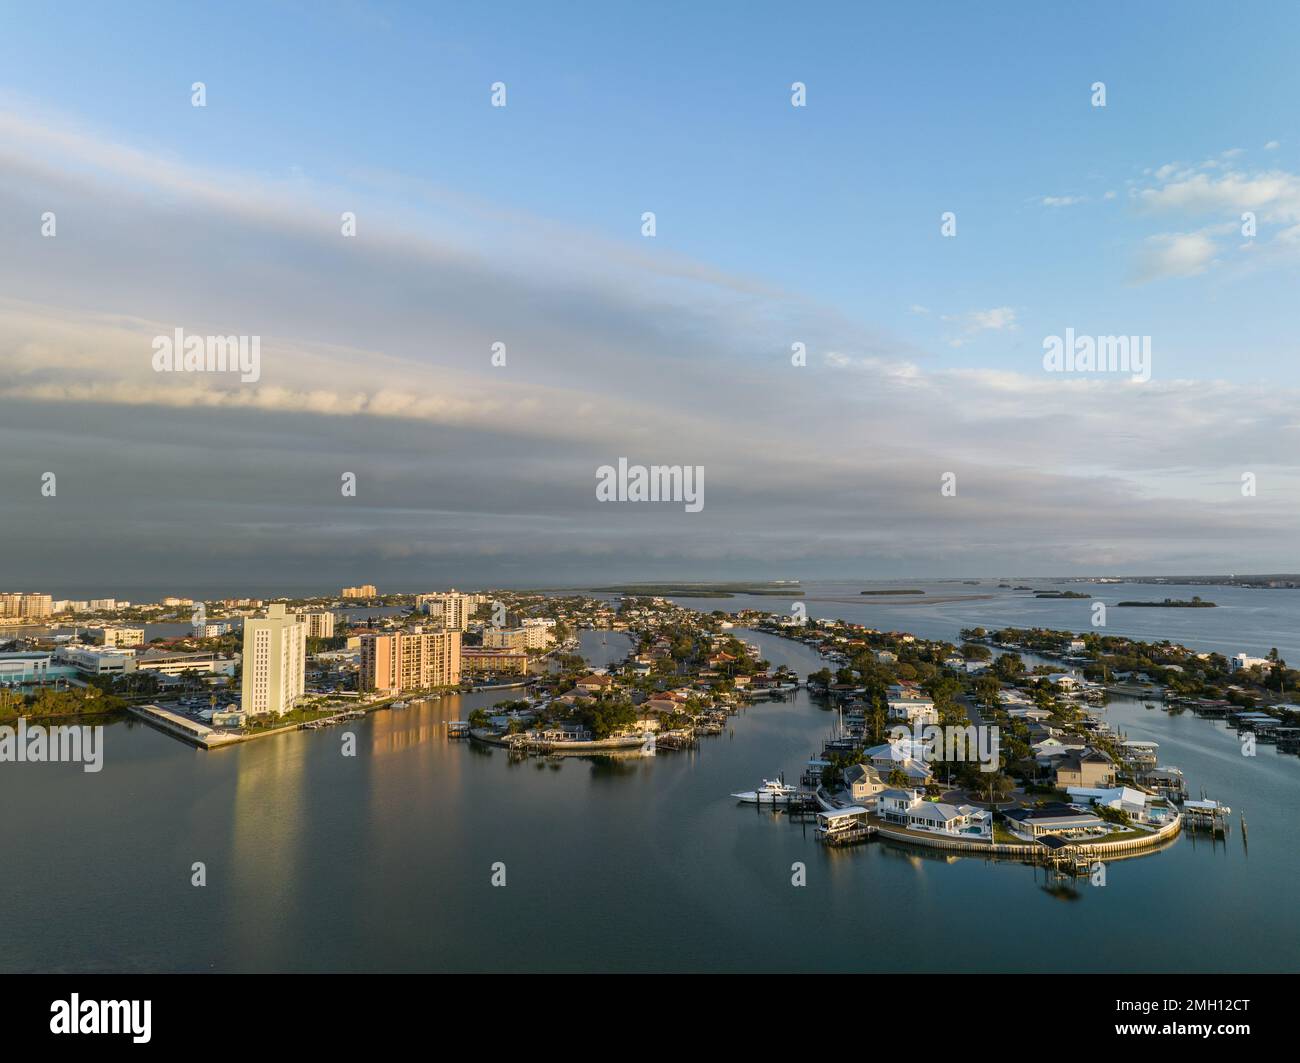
x=187, y=730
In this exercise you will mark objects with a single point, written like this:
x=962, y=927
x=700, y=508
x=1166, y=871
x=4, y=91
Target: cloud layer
x=377, y=360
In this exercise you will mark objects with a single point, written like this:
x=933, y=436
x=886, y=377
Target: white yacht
x=772, y=792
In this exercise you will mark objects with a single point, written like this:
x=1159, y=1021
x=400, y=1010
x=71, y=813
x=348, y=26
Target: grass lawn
x=1123, y=835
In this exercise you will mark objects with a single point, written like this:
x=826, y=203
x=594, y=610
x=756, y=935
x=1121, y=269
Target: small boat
x=772, y=792
x=399, y=705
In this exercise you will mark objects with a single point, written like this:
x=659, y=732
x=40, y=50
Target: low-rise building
x=168, y=663
x=31, y=669
x=476, y=660
x=98, y=660
x=118, y=637
x=1242, y=660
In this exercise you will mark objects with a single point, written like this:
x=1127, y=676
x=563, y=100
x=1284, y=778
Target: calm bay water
x=1244, y=620
x=382, y=862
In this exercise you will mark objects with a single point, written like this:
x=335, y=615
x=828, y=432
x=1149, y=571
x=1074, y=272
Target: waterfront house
x=566, y=731
x=1059, y=819
x=907, y=808
x=935, y=816
x=893, y=806
x=1087, y=768
x=1140, y=807
x=863, y=782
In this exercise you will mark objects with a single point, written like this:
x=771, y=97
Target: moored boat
x=772, y=792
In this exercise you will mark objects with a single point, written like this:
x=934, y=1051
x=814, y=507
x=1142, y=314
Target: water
x=1245, y=620
x=382, y=862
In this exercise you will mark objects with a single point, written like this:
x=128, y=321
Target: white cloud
x=1174, y=255
x=997, y=319
x=1275, y=194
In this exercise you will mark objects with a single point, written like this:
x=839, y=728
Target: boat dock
x=327, y=721
x=1207, y=815
x=844, y=826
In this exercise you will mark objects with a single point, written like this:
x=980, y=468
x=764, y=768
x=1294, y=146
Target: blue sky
x=775, y=223
x=914, y=109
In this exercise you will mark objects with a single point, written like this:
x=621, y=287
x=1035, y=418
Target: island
x=1171, y=603
x=892, y=592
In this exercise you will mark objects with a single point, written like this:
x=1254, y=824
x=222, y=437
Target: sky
x=922, y=436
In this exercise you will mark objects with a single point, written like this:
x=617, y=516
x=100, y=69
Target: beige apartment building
x=119, y=637
x=420, y=660
x=319, y=625
x=518, y=638
x=453, y=609
x=366, y=590
x=275, y=662
x=486, y=661
x=36, y=606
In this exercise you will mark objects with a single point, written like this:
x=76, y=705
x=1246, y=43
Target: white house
x=919, y=711
x=1136, y=803
x=907, y=808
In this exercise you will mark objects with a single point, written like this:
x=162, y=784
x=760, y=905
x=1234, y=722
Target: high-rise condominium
x=275, y=662
x=454, y=610
x=319, y=625
x=410, y=661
